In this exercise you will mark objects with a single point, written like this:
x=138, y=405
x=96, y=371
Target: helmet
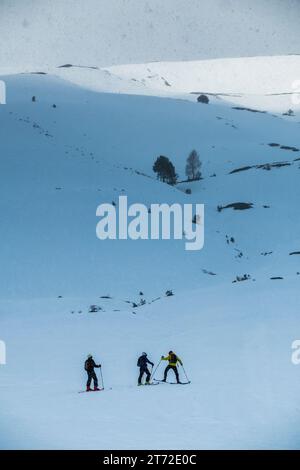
x=144, y=354
x=89, y=356
x=170, y=352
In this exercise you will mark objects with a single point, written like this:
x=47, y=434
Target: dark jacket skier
x=173, y=359
x=89, y=366
x=142, y=364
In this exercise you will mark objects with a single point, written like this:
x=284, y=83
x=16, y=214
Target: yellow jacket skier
x=173, y=359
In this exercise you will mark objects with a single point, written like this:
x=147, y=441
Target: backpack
x=140, y=362
x=87, y=365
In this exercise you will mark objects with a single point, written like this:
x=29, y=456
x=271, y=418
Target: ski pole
x=101, y=377
x=152, y=373
x=185, y=373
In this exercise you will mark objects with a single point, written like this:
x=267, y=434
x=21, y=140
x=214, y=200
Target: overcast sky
x=106, y=32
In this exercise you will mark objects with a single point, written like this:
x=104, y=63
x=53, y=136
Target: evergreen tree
x=165, y=170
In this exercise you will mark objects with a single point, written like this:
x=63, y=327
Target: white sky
x=107, y=32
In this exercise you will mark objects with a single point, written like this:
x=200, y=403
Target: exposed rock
x=203, y=99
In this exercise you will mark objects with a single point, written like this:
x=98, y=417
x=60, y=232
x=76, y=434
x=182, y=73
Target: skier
x=142, y=364
x=173, y=359
x=89, y=366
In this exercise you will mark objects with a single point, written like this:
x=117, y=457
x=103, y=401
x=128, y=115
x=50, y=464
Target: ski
x=180, y=383
x=147, y=385
x=90, y=391
x=173, y=383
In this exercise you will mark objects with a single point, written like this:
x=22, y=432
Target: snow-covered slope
x=265, y=83
x=57, y=165
x=235, y=344
x=94, y=147
x=255, y=76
